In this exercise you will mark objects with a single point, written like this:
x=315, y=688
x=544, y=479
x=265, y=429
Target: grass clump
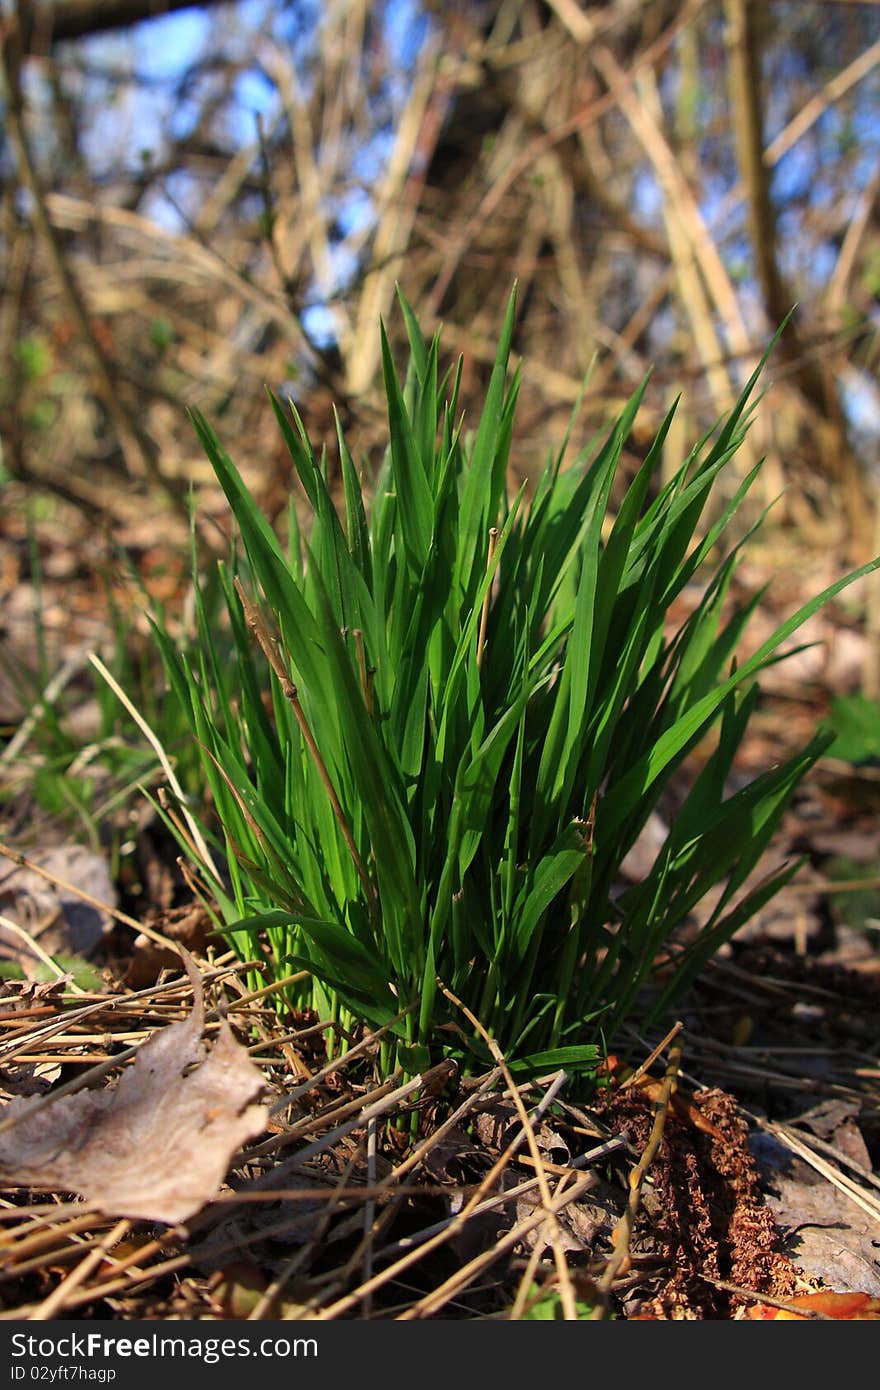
x=451, y=712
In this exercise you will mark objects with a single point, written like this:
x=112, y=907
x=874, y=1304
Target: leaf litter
x=449, y=1218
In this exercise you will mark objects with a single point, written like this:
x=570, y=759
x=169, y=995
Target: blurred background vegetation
x=201, y=200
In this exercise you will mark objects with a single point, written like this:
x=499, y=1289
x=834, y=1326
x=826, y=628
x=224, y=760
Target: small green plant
x=450, y=714
x=545, y=1305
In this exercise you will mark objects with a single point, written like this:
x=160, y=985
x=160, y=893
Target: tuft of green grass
x=449, y=713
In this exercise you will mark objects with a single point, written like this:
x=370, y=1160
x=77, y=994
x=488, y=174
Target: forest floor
x=725, y=1170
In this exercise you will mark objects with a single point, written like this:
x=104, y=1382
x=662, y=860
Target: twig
x=57, y=970
x=447, y=1231
x=807, y=1313
x=622, y=1233
x=24, y=863
x=558, y=1202
x=58, y=1297
x=369, y=1210
x=269, y=1300
x=652, y=1056
x=817, y=105
x=156, y=745
x=566, y=1290
x=850, y=1189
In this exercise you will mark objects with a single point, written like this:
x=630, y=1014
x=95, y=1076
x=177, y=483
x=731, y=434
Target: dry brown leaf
x=851, y=1307
x=824, y=1232
x=156, y=1146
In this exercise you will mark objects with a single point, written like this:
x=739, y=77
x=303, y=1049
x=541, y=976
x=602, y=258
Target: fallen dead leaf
x=823, y=1232
x=156, y=1146
x=851, y=1307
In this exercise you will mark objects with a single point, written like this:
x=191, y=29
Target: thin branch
x=622, y=1233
